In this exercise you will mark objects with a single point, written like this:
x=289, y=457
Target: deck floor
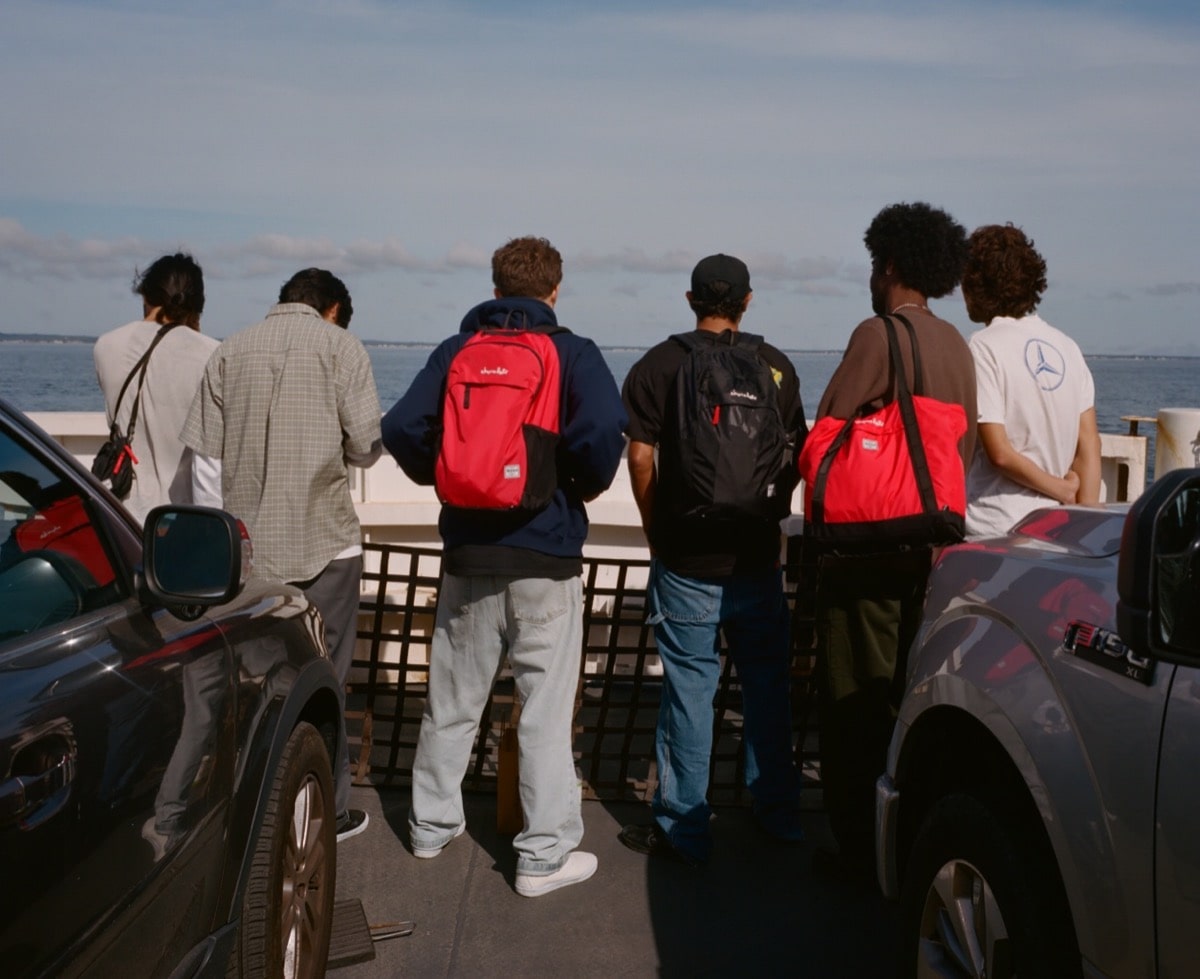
x=756, y=910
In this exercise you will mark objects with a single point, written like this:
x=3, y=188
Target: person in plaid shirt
x=288, y=405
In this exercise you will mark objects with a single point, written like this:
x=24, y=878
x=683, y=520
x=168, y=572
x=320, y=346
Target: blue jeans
x=538, y=623
x=688, y=615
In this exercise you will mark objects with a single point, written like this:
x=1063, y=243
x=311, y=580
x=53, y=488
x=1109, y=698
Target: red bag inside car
x=64, y=527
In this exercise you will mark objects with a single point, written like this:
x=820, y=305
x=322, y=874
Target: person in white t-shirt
x=1038, y=442
x=166, y=470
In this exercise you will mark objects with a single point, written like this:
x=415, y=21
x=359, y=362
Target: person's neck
x=903, y=298
x=715, y=324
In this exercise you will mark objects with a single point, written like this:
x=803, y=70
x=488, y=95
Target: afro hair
x=925, y=246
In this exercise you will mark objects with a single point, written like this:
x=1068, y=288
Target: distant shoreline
x=61, y=339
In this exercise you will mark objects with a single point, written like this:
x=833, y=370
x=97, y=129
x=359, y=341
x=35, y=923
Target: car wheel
x=287, y=910
x=982, y=899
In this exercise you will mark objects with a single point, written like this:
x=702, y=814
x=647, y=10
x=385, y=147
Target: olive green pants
x=867, y=613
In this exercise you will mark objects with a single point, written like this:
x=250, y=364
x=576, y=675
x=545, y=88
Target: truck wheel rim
x=962, y=930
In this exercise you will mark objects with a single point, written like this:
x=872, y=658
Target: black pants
x=868, y=610
x=335, y=593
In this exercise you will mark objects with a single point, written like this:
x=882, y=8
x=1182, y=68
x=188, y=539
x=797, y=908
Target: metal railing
x=616, y=702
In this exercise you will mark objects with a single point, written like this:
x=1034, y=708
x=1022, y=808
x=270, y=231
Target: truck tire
x=981, y=898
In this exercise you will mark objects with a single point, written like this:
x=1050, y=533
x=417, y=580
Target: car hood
x=1077, y=531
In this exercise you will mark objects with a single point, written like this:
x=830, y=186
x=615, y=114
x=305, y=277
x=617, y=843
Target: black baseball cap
x=724, y=269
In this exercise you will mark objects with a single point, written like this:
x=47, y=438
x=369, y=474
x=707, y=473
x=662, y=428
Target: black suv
x=167, y=722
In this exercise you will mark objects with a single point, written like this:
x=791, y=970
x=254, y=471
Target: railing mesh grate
x=616, y=703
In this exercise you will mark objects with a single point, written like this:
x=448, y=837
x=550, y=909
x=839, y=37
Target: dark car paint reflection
x=133, y=744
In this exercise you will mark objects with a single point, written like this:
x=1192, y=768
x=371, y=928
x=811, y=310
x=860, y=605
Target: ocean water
x=59, y=376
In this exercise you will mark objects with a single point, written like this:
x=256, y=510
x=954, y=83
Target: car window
x=53, y=561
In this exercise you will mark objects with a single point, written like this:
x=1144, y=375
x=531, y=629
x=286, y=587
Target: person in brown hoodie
x=868, y=606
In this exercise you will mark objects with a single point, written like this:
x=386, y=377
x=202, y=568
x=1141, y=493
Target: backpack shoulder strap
x=689, y=341
x=692, y=341
x=751, y=341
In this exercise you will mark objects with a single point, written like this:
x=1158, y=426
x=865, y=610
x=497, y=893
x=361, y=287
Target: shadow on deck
x=756, y=910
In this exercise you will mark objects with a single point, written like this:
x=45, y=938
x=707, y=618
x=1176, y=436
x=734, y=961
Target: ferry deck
x=757, y=909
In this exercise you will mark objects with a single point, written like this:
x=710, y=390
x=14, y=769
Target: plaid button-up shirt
x=286, y=405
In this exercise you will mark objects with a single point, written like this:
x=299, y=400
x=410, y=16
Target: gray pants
x=538, y=623
x=335, y=593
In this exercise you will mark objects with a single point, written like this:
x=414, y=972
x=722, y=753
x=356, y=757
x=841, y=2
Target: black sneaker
x=651, y=840
x=351, y=823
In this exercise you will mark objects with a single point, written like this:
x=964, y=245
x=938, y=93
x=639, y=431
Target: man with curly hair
x=1038, y=439
x=868, y=606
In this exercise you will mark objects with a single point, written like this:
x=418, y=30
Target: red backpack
x=500, y=422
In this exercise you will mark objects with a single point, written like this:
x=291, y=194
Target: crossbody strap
x=140, y=369
x=908, y=412
x=918, y=385
x=908, y=416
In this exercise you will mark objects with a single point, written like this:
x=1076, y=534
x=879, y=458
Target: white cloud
x=400, y=143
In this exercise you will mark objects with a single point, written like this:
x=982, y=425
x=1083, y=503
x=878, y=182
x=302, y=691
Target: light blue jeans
x=688, y=615
x=538, y=624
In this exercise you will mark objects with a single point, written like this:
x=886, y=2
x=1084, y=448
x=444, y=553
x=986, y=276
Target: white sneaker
x=578, y=868
x=428, y=853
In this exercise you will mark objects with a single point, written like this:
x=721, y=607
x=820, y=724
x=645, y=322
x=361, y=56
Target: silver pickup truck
x=1040, y=813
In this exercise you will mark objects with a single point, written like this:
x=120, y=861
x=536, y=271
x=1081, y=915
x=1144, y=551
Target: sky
x=398, y=144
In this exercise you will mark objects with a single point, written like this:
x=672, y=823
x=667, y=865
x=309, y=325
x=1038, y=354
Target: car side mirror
x=1158, y=577
x=193, y=557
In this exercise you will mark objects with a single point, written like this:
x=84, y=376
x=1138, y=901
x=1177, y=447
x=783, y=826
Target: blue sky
x=399, y=143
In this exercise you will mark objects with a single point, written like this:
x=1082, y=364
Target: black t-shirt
x=696, y=547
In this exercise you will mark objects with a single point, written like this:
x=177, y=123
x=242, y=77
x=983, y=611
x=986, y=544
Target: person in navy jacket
x=512, y=584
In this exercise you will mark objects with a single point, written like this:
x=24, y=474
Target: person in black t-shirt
x=708, y=575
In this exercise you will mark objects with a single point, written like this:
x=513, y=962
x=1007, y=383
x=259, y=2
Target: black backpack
x=730, y=455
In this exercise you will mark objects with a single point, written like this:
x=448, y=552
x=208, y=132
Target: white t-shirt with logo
x=1033, y=380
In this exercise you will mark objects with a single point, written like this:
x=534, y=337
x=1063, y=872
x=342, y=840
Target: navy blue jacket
x=548, y=543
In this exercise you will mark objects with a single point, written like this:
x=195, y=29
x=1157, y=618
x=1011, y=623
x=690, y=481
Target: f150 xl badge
x=1103, y=648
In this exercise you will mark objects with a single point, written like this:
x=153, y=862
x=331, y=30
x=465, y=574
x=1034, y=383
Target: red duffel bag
x=889, y=478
